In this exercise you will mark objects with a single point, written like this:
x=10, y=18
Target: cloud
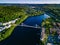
x=30, y=1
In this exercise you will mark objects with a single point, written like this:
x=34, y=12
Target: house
x=59, y=37
x=33, y=7
x=8, y=26
x=52, y=30
x=16, y=19
x=2, y=28
x=54, y=23
x=13, y=21
x=0, y=23
x=58, y=24
x=6, y=23
x=58, y=31
x=9, y=22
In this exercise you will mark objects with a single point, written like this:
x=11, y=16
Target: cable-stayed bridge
x=36, y=26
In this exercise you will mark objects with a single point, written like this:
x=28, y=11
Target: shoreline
x=9, y=33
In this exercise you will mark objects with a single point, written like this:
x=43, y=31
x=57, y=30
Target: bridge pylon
x=36, y=26
x=22, y=24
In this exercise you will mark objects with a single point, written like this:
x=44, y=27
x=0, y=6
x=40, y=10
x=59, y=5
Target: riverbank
x=6, y=33
x=25, y=34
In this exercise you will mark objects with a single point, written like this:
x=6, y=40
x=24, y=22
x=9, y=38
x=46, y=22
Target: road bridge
x=36, y=26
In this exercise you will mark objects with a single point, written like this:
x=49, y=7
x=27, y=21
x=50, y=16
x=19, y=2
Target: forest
x=8, y=13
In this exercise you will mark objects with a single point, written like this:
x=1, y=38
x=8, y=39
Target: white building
x=43, y=33
x=13, y=21
x=8, y=26
x=59, y=37
x=33, y=7
x=2, y=28
x=58, y=24
x=0, y=23
x=6, y=23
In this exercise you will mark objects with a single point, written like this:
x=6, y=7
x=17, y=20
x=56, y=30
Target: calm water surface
x=24, y=35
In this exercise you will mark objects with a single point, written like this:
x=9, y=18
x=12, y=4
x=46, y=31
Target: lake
x=26, y=35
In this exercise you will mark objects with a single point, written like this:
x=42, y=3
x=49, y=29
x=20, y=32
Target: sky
x=30, y=1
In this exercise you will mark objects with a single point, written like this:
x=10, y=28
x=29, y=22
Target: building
x=0, y=23
x=58, y=31
x=2, y=28
x=52, y=30
x=59, y=37
x=43, y=33
x=12, y=21
x=58, y=24
x=6, y=23
x=8, y=26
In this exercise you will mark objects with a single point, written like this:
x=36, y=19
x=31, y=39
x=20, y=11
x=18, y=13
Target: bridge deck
x=30, y=26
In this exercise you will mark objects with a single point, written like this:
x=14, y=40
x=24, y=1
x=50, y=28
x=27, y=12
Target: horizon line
x=31, y=3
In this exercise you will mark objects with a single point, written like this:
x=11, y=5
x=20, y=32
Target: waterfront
x=25, y=35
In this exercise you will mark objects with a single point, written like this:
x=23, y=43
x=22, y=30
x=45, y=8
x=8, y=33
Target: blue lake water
x=35, y=20
x=24, y=35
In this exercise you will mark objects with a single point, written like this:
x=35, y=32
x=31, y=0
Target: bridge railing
x=36, y=26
